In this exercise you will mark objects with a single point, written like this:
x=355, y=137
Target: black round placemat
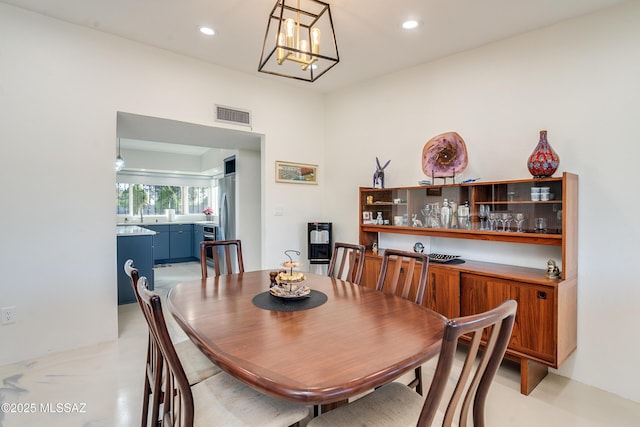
x=267, y=301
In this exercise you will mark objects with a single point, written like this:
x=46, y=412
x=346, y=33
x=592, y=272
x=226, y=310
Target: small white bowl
x=535, y=197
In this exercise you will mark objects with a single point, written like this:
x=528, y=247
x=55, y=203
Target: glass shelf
x=408, y=210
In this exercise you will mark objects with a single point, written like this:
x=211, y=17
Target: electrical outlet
x=8, y=315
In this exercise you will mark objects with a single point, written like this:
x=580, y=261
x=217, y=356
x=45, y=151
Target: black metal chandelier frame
x=309, y=71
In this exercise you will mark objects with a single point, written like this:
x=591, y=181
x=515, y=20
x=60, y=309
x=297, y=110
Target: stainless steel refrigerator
x=227, y=207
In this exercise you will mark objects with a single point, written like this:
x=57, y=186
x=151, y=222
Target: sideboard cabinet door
x=443, y=291
x=534, y=332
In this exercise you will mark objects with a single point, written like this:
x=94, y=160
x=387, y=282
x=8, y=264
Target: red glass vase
x=543, y=161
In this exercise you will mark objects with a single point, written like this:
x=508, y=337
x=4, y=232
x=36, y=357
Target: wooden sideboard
x=545, y=332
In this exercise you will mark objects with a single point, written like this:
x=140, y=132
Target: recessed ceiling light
x=207, y=31
x=410, y=24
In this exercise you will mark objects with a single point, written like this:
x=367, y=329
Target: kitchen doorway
x=176, y=147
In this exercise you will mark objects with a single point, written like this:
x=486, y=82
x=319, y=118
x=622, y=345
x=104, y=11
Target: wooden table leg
x=330, y=406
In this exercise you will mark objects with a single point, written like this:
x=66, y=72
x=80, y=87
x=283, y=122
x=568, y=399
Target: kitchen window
x=154, y=193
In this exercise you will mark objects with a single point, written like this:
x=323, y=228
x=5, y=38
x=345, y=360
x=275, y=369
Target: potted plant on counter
x=208, y=213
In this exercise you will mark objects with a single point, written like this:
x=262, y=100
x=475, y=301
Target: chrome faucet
x=141, y=217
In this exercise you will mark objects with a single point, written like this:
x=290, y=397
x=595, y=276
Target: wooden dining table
x=355, y=341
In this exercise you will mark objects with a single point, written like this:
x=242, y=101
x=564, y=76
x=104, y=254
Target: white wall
x=149, y=160
x=249, y=203
x=579, y=80
x=61, y=86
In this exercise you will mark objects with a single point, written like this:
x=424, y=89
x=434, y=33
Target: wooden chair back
x=347, y=262
x=226, y=255
x=152, y=394
x=398, y=274
x=177, y=407
x=466, y=404
x=133, y=274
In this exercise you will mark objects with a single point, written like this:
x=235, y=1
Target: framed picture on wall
x=297, y=173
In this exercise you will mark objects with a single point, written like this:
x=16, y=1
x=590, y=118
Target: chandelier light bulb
x=304, y=47
x=119, y=163
x=315, y=40
x=289, y=26
x=281, y=53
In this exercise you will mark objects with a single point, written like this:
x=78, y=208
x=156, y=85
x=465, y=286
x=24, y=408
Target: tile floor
x=101, y=386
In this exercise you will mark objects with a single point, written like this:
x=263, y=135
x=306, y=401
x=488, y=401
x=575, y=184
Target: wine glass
x=493, y=219
x=519, y=221
x=506, y=219
x=482, y=213
x=502, y=219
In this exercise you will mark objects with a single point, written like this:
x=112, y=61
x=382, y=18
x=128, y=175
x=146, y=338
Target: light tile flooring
x=102, y=385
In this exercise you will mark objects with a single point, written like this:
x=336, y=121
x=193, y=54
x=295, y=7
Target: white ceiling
x=368, y=33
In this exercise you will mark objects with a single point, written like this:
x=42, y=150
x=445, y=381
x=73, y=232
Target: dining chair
x=397, y=276
x=347, y=262
x=220, y=400
x=395, y=404
x=226, y=255
x=197, y=366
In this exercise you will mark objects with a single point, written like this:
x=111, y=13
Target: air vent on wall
x=233, y=115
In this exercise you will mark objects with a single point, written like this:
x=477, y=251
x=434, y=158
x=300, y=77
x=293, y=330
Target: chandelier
x=300, y=42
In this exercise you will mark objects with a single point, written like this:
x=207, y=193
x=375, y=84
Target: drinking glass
x=501, y=220
x=482, y=213
x=435, y=215
x=559, y=221
x=493, y=219
x=519, y=221
x=505, y=220
x=426, y=213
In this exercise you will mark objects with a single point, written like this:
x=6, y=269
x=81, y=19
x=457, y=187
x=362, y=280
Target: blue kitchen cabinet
x=160, y=242
x=172, y=242
x=139, y=248
x=180, y=242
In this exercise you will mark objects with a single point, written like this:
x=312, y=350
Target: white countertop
x=133, y=230
x=131, y=224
